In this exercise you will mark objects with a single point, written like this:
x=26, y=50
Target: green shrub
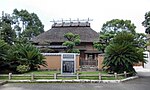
x=23, y=68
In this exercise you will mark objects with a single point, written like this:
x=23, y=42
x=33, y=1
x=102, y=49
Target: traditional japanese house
x=53, y=39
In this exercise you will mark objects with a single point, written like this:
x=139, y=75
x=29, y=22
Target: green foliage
x=73, y=51
x=22, y=40
x=23, y=68
x=146, y=22
x=141, y=42
x=69, y=44
x=73, y=40
x=3, y=49
x=31, y=24
x=26, y=25
x=46, y=50
x=26, y=54
x=6, y=32
x=124, y=37
x=3, y=54
x=122, y=53
x=118, y=25
x=104, y=40
x=110, y=29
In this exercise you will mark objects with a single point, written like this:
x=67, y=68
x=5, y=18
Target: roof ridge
x=71, y=24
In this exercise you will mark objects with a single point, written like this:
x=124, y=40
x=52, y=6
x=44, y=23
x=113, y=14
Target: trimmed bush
x=23, y=68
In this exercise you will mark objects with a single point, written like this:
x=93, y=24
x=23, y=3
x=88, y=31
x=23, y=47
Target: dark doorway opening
x=68, y=67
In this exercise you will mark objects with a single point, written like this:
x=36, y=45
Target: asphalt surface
x=142, y=83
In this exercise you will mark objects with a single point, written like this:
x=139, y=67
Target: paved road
x=143, y=83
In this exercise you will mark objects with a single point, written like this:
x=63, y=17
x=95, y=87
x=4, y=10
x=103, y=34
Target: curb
x=129, y=78
x=64, y=81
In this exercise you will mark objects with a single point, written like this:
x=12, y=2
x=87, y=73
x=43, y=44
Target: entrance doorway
x=68, y=67
x=68, y=63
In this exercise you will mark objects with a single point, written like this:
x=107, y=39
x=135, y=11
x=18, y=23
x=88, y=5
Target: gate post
x=9, y=77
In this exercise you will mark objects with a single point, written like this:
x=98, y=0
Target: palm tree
x=122, y=53
x=26, y=54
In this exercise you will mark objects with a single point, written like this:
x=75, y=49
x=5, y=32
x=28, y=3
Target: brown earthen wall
x=54, y=62
x=77, y=62
x=100, y=61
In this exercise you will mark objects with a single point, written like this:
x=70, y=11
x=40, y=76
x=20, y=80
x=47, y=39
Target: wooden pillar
x=55, y=75
x=86, y=56
x=100, y=76
x=77, y=75
x=32, y=76
x=95, y=56
x=9, y=76
x=116, y=76
x=125, y=74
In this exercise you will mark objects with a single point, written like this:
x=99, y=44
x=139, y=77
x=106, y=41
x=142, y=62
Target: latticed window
x=68, y=56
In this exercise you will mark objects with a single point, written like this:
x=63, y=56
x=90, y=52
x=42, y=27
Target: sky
x=98, y=10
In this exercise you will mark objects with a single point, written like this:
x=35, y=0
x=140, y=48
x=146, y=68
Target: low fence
x=89, y=62
x=32, y=76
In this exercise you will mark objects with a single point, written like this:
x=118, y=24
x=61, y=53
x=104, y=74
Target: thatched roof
x=58, y=30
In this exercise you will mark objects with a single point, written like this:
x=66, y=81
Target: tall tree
x=141, y=41
x=73, y=40
x=146, y=22
x=6, y=32
x=118, y=25
x=27, y=24
x=110, y=29
x=104, y=40
x=3, y=54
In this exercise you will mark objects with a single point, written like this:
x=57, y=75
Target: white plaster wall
x=147, y=65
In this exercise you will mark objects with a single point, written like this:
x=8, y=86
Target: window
x=90, y=56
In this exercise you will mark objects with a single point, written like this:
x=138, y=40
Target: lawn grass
x=90, y=78
x=3, y=78
x=21, y=78
x=92, y=72
x=53, y=72
x=112, y=78
x=43, y=72
x=40, y=77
